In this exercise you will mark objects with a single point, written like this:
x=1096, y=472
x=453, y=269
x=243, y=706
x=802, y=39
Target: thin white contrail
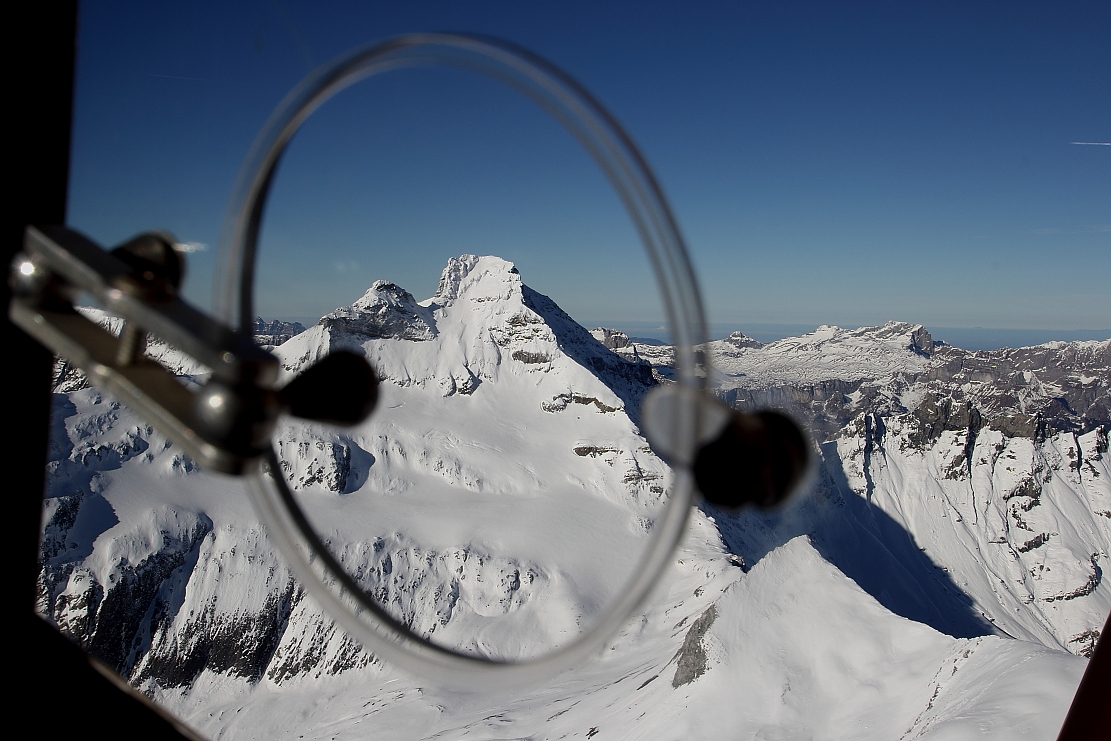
x=1094, y=144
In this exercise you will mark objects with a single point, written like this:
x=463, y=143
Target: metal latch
x=226, y=423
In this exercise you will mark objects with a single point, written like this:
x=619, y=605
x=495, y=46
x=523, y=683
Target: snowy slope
x=502, y=491
x=792, y=649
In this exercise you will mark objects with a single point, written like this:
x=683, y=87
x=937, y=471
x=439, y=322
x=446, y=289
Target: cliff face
x=1021, y=524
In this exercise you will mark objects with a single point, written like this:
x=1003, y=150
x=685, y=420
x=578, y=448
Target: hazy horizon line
x=967, y=338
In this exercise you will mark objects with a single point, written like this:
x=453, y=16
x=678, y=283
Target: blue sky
x=828, y=163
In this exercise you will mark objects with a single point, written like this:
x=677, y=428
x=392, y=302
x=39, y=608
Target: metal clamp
x=227, y=423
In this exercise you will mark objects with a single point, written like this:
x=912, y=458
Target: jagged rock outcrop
x=611, y=339
x=274, y=332
x=739, y=341
x=107, y=610
x=691, y=660
x=385, y=311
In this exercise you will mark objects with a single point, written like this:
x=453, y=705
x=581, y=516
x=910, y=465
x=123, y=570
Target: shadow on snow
x=866, y=544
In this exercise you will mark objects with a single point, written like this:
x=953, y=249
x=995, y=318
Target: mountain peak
x=489, y=276
x=921, y=340
x=483, y=324
x=612, y=339
x=740, y=340
x=386, y=310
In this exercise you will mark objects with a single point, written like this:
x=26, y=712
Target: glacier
x=942, y=578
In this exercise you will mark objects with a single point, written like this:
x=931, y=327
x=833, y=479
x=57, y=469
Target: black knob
x=757, y=460
x=236, y=417
x=157, y=267
x=341, y=390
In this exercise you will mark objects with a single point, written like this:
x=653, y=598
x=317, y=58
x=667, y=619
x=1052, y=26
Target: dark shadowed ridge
x=630, y=381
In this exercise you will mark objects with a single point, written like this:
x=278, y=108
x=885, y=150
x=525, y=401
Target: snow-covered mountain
x=994, y=463
x=502, y=490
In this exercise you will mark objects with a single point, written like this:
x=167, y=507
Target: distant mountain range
x=944, y=570
x=968, y=338
x=273, y=333
x=992, y=462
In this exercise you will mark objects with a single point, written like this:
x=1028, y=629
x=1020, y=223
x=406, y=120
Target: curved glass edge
x=622, y=164
x=382, y=635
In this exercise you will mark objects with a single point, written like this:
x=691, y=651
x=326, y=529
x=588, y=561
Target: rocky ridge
x=274, y=332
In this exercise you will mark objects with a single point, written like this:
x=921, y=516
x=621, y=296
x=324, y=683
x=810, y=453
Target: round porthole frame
x=613, y=151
